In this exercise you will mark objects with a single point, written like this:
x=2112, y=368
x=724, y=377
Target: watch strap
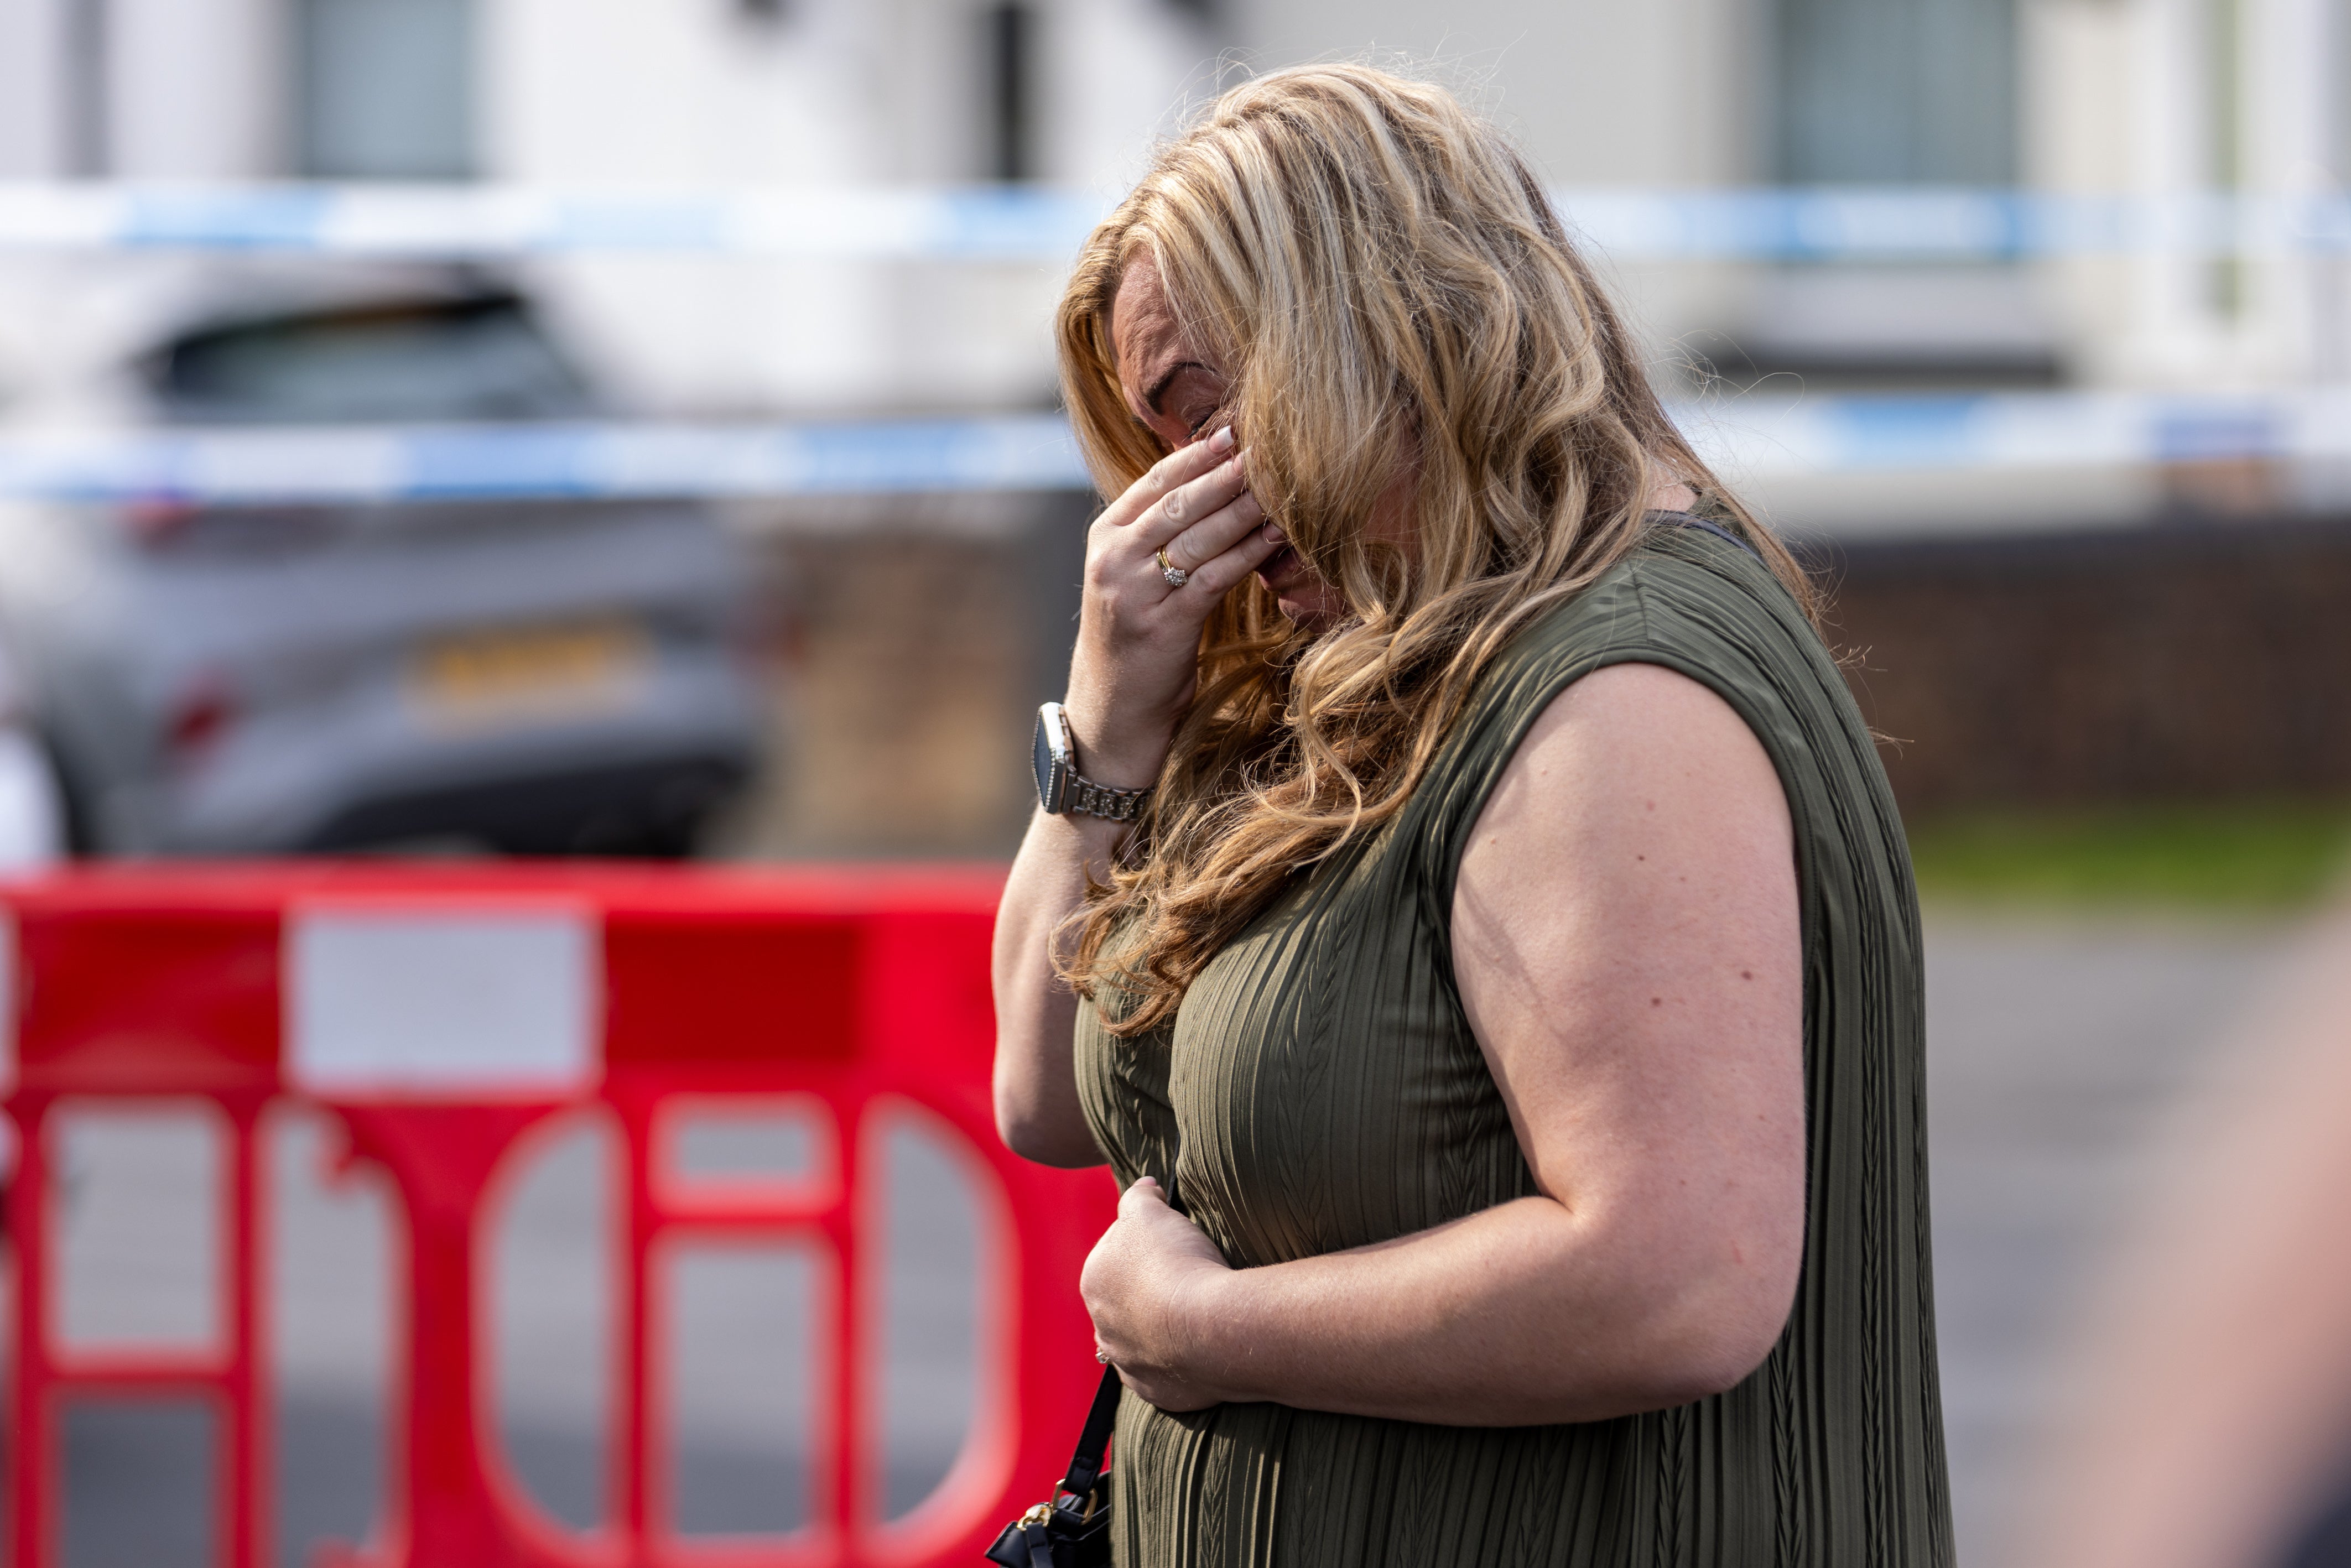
x=1102, y=800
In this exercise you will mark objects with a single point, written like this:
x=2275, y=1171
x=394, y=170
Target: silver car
x=532, y=676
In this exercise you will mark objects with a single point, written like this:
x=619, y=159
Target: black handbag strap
x=1086, y=1464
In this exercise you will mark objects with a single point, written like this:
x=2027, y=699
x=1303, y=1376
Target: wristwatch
x=1059, y=789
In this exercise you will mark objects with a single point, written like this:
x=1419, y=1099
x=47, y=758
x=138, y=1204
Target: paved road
x=2054, y=1046
x=2053, y=1050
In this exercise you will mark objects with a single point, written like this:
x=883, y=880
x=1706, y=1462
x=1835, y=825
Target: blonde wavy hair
x=1387, y=289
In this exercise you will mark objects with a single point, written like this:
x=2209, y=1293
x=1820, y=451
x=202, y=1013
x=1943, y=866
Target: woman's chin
x=1301, y=596
x=1308, y=604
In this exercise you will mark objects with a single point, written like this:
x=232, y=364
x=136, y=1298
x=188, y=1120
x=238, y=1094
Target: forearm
x=1523, y=1314
x=1035, y=1079
x=1131, y=676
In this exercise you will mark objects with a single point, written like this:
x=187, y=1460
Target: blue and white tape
x=1045, y=224
x=2018, y=431
x=1017, y=223
x=1751, y=438
x=287, y=466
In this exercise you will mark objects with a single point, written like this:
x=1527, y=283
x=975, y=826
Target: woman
x=1511, y=978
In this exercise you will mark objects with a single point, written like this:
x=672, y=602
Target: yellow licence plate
x=524, y=673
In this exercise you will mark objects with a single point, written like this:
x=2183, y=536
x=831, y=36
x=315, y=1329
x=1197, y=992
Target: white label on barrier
x=8, y=998
x=443, y=1004
x=7, y=1010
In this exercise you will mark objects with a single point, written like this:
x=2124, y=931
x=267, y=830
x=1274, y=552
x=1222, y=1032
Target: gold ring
x=1175, y=576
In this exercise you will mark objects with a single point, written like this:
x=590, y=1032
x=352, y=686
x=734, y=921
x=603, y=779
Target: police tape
x=618, y=461
x=1756, y=438
x=1023, y=224
x=1748, y=437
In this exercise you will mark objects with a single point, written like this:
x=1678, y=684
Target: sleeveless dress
x=1319, y=1089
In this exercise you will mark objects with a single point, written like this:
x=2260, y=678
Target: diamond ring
x=1175, y=576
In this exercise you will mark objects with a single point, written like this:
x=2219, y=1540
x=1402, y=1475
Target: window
x=88, y=104
x=1896, y=91
x=456, y=360
x=1011, y=54
x=386, y=88
x=2338, y=92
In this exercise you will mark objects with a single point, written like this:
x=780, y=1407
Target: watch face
x=1050, y=775
x=1042, y=761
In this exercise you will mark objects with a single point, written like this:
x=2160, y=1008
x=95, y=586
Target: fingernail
x=1223, y=440
x=1275, y=535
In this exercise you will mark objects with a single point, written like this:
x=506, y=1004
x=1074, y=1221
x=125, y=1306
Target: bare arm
x=1625, y=938
x=1036, y=1086
x=1134, y=669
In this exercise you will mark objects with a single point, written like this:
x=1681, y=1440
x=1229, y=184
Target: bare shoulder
x=1633, y=871
x=1634, y=745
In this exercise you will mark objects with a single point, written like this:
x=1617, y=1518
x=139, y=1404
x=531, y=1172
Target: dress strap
x=1692, y=520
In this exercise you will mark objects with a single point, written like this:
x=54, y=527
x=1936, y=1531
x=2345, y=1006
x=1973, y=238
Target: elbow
x=1023, y=1135
x=1715, y=1363
x=1041, y=1139
x=1017, y=1124
x=1726, y=1330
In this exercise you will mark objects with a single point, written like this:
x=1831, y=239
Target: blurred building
x=2175, y=113
x=2142, y=96
x=626, y=93
x=2151, y=98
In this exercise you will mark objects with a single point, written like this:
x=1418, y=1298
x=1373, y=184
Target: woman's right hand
x=1137, y=656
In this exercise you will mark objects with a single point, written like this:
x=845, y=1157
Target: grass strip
x=2253, y=856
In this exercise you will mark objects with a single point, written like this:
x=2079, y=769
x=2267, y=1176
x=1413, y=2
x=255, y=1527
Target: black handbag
x=1072, y=1530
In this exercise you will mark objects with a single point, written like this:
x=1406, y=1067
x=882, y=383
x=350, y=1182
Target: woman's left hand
x=1148, y=1283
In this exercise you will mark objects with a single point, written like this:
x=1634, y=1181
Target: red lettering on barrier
x=862, y=994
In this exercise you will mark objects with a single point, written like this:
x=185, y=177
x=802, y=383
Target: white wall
x=32, y=100
x=1119, y=73
x=688, y=93
x=197, y=89
x=683, y=91
x=1653, y=92
x=1650, y=93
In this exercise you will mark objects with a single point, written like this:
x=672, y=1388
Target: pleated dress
x=1319, y=1089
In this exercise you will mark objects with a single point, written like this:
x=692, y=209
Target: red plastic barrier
x=647, y=991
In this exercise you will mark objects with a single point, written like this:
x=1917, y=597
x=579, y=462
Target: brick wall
x=2176, y=660
x=914, y=642
x=2163, y=663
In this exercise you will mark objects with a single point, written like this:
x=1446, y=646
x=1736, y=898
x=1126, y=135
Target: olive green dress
x=1319, y=1090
